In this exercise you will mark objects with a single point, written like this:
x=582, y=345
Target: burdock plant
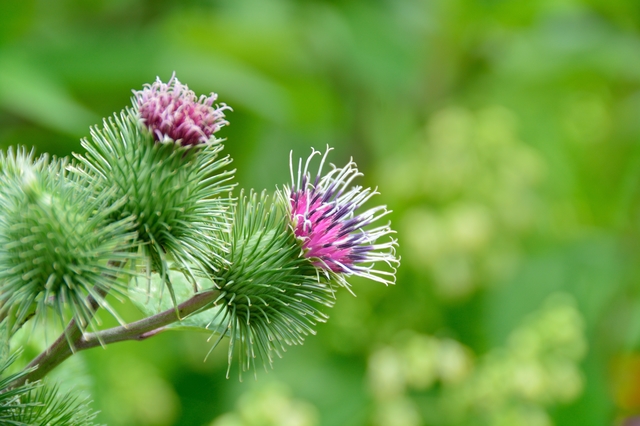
x=149, y=209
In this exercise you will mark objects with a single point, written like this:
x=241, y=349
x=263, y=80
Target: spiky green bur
x=38, y=404
x=10, y=399
x=45, y=405
x=271, y=295
x=56, y=245
x=176, y=195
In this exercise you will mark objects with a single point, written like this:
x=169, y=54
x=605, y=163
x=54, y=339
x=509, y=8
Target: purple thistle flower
x=334, y=237
x=173, y=113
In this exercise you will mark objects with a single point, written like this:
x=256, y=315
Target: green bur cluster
x=267, y=294
x=139, y=206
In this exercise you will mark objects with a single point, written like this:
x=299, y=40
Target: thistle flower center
x=324, y=233
x=333, y=236
x=172, y=112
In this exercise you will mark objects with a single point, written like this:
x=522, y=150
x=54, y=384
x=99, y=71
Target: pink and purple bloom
x=334, y=236
x=173, y=113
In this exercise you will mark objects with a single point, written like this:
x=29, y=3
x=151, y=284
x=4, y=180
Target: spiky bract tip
x=270, y=295
x=57, y=246
x=37, y=403
x=337, y=238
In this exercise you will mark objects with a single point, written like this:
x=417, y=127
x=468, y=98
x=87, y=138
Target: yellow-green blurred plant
x=471, y=185
x=270, y=405
x=537, y=369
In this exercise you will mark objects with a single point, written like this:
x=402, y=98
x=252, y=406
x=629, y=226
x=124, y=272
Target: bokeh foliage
x=505, y=137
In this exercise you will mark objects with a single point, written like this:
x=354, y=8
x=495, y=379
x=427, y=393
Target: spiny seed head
x=173, y=113
x=270, y=296
x=176, y=196
x=335, y=236
x=56, y=244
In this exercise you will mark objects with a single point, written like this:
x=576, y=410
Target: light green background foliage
x=504, y=136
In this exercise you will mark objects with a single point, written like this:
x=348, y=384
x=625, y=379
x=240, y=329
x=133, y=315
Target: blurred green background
x=504, y=136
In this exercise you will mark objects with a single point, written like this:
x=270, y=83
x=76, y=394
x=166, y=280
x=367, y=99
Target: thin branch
x=72, y=340
x=149, y=326
x=61, y=349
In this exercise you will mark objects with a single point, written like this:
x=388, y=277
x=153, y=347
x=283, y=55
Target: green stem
x=149, y=326
x=61, y=349
x=72, y=340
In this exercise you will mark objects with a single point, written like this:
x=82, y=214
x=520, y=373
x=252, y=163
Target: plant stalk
x=73, y=340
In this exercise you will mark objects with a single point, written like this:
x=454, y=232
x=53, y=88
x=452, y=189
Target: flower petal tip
x=174, y=114
x=335, y=237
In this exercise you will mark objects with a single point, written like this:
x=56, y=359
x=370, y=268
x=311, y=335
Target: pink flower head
x=173, y=113
x=334, y=236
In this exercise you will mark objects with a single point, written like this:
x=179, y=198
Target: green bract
x=38, y=404
x=177, y=196
x=271, y=295
x=57, y=245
